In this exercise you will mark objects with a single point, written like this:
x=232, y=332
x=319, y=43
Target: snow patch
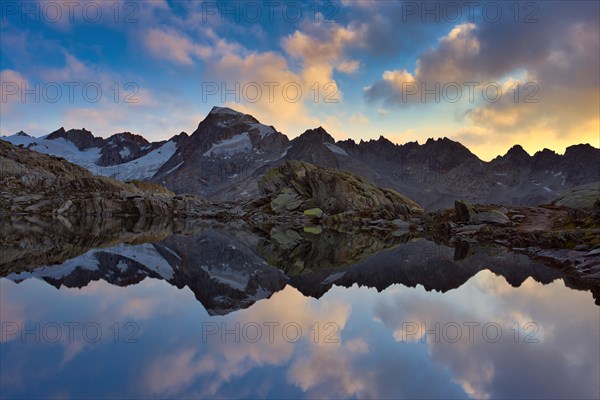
x=66, y=149
x=238, y=144
x=17, y=139
x=86, y=261
x=333, y=277
x=336, y=149
x=224, y=110
x=263, y=130
x=285, y=152
x=171, y=252
x=174, y=168
x=125, y=152
x=261, y=293
x=145, y=254
x=228, y=276
x=122, y=266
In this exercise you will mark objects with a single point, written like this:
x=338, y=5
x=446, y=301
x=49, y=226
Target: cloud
x=224, y=360
x=321, y=49
x=263, y=85
x=359, y=119
x=175, y=47
x=348, y=67
x=446, y=63
x=555, y=94
x=441, y=65
x=505, y=368
x=321, y=45
x=11, y=84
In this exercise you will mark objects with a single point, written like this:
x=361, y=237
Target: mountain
x=224, y=158
x=317, y=147
x=37, y=183
x=81, y=138
x=123, y=156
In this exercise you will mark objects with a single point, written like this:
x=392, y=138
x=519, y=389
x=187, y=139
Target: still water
x=222, y=312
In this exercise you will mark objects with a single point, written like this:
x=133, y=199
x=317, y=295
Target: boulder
x=463, y=211
x=286, y=199
x=517, y=217
x=494, y=217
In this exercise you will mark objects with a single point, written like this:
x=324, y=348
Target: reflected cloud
x=553, y=356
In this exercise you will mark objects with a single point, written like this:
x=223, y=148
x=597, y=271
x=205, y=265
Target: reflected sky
x=352, y=342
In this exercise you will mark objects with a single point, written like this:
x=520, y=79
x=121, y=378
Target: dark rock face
x=123, y=147
x=311, y=147
x=81, y=138
x=224, y=156
x=463, y=210
x=222, y=269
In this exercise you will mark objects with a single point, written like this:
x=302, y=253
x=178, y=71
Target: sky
x=487, y=74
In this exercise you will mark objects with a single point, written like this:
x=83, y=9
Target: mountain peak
x=60, y=132
x=224, y=110
x=517, y=151
x=545, y=153
x=21, y=133
x=128, y=137
x=580, y=148
x=226, y=117
x=318, y=134
x=81, y=138
x=515, y=154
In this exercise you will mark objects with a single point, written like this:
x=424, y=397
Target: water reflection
x=210, y=316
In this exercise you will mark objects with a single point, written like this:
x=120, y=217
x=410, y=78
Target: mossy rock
x=315, y=230
x=314, y=212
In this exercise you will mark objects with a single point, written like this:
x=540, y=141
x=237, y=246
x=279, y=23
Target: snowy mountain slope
x=141, y=168
x=110, y=263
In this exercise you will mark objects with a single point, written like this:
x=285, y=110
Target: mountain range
x=224, y=158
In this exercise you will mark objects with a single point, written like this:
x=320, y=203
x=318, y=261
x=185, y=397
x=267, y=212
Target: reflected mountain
x=230, y=267
x=425, y=263
x=30, y=241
